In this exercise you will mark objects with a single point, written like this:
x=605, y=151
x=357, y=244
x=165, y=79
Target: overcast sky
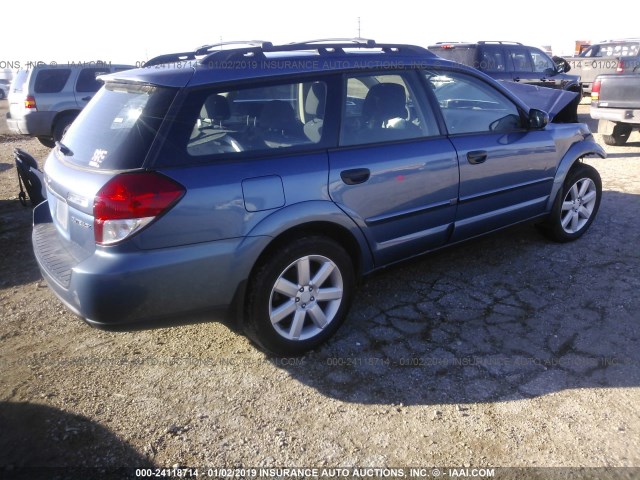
x=136, y=30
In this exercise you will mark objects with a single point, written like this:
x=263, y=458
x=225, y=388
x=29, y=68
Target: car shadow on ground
x=39, y=441
x=625, y=154
x=17, y=265
x=511, y=316
x=7, y=166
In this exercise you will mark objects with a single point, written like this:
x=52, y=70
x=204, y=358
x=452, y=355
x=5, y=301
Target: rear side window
x=116, y=129
x=51, y=80
x=232, y=122
x=88, y=81
x=492, y=60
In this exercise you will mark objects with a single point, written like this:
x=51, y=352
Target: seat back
x=384, y=102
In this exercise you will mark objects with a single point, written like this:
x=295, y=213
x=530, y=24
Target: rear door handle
x=476, y=157
x=355, y=176
x=86, y=99
x=516, y=79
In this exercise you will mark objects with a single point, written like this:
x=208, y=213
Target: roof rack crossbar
x=501, y=42
x=203, y=50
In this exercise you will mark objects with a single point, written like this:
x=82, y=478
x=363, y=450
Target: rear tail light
x=595, y=91
x=620, y=68
x=30, y=103
x=129, y=202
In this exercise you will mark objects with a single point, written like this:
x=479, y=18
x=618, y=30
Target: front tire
x=619, y=136
x=299, y=296
x=576, y=205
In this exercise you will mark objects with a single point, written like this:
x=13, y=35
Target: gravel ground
x=508, y=351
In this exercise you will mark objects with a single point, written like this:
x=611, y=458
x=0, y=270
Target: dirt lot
x=509, y=351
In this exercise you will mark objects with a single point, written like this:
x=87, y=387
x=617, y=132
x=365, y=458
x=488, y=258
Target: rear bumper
x=143, y=289
x=36, y=124
x=620, y=115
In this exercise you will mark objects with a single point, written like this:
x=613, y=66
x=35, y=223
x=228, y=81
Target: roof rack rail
x=367, y=42
x=203, y=50
x=170, y=58
x=501, y=42
x=324, y=46
x=446, y=43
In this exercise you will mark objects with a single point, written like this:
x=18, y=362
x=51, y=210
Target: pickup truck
x=620, y=56
x=615, y=103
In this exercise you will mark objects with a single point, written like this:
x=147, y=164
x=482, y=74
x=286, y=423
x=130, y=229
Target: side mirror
x=537, y=119
x=561, y=64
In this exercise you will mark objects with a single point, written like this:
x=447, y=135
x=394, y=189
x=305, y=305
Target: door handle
x=355, y=176
x=516, y=79
x=86, y=99
x=476, y=157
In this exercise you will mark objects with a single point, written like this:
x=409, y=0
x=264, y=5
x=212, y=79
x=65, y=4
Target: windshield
x=115, y=130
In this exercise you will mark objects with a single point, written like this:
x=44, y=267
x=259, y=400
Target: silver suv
x=45, y=99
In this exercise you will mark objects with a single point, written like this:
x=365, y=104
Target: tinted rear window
x=51, y=80
x=88, y=79
x=461, y=54
x=116, y=129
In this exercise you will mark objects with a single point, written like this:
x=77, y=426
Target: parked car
x=615, y=103
x=611, y=56
x=45, y=99
x=4, y=88
x=261, y=182
x=510, y=61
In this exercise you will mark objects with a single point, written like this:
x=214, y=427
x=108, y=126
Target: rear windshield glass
x=465, y=55
x=19, y=80
x=115, y=130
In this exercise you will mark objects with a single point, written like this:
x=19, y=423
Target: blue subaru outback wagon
x=260, y=182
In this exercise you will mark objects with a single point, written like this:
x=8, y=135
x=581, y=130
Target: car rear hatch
x=619, y=91
x=111, y=138
x=18, y=94
x=461, y=53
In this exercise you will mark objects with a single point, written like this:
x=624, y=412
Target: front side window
x=541, y=62
x=381, y=108
x=88, y=79
x=282, y=116
x=470, y=105
x=521, y=60
x=51, y=80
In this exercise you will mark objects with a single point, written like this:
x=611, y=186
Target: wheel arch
x=72, y=113
x=321, y=218
x=575, y=154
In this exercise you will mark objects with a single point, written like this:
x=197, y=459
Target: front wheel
x=576, y=205
x=299, y=296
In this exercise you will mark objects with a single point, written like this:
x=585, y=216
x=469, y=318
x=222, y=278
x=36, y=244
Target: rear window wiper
x=64, y=149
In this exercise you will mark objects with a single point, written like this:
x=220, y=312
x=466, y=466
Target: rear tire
x=47, y=141
x=619, y=136
x=576, y=204
x=299, y=296
x=62, y=125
